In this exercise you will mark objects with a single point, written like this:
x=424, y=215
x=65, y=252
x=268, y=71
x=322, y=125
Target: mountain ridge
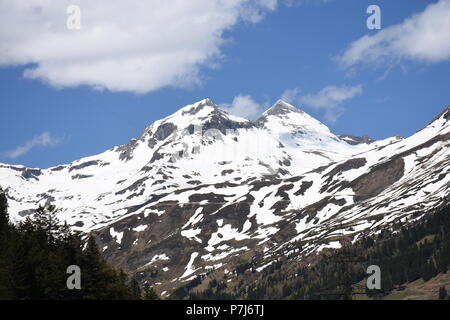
x=182, y=201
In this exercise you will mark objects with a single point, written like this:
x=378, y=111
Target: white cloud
x=244, y=106
x=294, y=3
x=330, y=99
x=133, y=45
x=43, y=140
x=290, y=95
x=424, y=37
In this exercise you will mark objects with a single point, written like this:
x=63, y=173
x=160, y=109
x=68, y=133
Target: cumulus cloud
x=136, y=46
x=43, y=140
x=294, y=3
x=290, y=95
x=329, y=99
x=424, y=37
x=244, y=106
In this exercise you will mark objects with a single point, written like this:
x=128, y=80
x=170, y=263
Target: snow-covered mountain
x=196, y=145
x=202, y=190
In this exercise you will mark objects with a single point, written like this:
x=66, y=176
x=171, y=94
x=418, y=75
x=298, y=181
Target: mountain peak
x=281, y=107
x=206, y=111
x=285, y=119
x=198, y=106
x=289, y=116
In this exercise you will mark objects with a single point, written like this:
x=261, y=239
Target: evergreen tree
x=135, y=290
x=95, y=277
x=6, y=283
x=150, y=293
x=442, y=293
x=47, y=223
x=4, y=219
x=35, y=254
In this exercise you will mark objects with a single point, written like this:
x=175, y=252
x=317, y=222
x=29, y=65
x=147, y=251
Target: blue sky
x=391, y=83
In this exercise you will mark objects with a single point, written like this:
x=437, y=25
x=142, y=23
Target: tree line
x=35, y=255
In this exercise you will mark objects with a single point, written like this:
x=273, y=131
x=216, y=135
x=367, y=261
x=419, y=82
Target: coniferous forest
x=35, y=255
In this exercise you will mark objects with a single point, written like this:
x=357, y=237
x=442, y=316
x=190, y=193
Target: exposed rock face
x=180, y=201
x=126, y=151
x=378, y=179
x=31, y=173
x=354, y=140
x=198, y=107
x=164, y=130
x=219, y=122
x=83, y=165
x=446, y=115
x=351, y=164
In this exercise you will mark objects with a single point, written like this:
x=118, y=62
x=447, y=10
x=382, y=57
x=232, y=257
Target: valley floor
x=421, y=290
